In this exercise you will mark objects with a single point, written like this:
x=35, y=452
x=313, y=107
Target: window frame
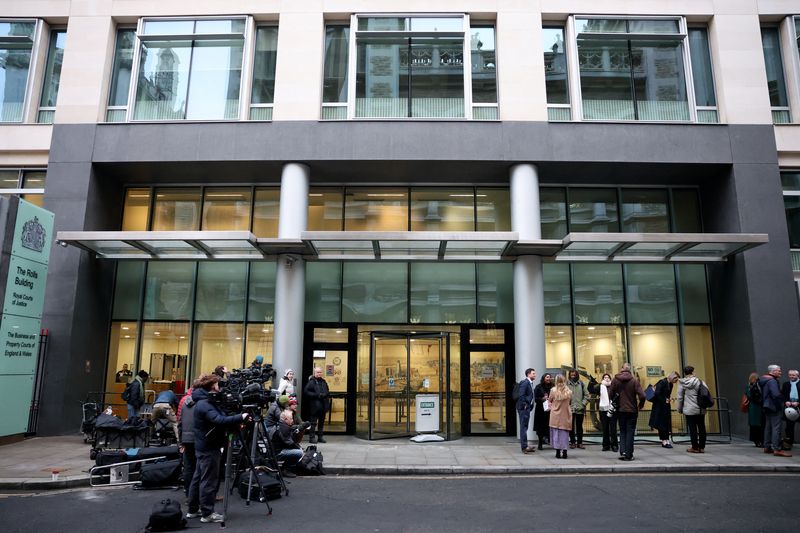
x=111, y=108
x=573, y=66
x=48, y=109
x=563, y=26
x=245, y=78
x=249, y=63
x=20, y=190
x=778, y=111
x=33, y=83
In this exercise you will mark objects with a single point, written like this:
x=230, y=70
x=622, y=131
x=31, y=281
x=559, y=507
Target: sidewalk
x=28, y=465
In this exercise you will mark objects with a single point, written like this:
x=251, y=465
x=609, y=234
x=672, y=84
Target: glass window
x=136, y=211
x=495, y=293
x=598, y=293
x=52, y=70
x=442, y=293
x=494, y=209
x=376, y=209
x=165, y=352
x=226, y=208
x=686, y=211
x=9, y=179
x=375, y=292
x=220, y=290
x=601, y=350
x=555, y=65
x=325, y=209
x=121, y=363
x=177, y=209
x=487, y=374
x=123, y=65
x=128, y=290
x=442, y=209
x=776, y=83
x=169, y=290
x=266, y=211
x=334, y=80
x=655, y=353
x=593, y=210
x=792, y=208
x=694, y=293
x=484, y=64
x=557, y=347
x=331, y=335
x=790, y=181
x=264, y=65
x=259, y=342
x=323, y=292
x=553, y=212
x=16, y=45
x=487, y=336
x=700, y=354
x=261, y=307
x=645, y=211
x=651, y=294
x=218, y=344
x=702, y=75
x=557, y=301
x=33, y=179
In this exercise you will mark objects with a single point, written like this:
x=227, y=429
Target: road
x=582, y=503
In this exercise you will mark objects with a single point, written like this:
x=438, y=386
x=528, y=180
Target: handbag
x=744, y=405
x=546, y=405
x=649, y=393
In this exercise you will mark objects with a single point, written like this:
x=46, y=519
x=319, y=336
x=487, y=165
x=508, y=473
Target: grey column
x=528, y=279
x=290, y=279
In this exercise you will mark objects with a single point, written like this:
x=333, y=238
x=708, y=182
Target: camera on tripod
x=245, y=388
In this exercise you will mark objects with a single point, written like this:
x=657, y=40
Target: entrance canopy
x=412, y=246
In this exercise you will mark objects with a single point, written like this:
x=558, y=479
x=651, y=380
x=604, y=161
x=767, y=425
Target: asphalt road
x=584, y=503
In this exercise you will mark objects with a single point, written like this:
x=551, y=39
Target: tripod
x=261, y=445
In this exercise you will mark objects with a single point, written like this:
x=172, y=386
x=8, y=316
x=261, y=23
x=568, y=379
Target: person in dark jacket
x=541, y=418
x=136, y=399
x=772, y=404
x=755, y=416
x=629, y=391
x=608, y=418
x=661, y=414
x=791, y=398
x=186, y=437
x=165, y=405
x=318, y=397
x=209, y=437
x=578, y=407
x=286, y=449
x=524, y=406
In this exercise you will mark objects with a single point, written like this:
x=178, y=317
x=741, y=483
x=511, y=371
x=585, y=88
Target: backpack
x=704, y=399
x=166, y=516
x=515, y=392
x=311, y=463
x=126, y=394
x=755, y=394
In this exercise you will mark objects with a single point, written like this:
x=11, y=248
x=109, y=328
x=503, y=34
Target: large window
x=52, y=76
x=17, y=39
x=28, y=184
x=776, y=82
x=121, y=71
x=334, y=76
x=702, y=75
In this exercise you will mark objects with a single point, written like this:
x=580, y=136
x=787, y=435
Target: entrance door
x=403, y=366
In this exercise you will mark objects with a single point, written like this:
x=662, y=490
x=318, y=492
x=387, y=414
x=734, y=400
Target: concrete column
x=528, y=279
x=290, y=279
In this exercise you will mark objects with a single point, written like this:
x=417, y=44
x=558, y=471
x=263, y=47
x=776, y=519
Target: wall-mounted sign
x=319, y=354
x=654, y=371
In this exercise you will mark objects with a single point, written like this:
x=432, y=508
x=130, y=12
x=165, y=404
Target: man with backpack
x=772, y=403
x=133, y=394
x=524, y=392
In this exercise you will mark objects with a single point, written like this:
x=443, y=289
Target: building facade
x=419, y=201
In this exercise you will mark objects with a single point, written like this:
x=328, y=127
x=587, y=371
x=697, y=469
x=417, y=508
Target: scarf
x=604, y=401
x=793, y=397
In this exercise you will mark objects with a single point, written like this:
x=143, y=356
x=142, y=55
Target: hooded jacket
x=771, y=394
x=688, y=389
x=579, y=396
x=629, y=391
x=209, y=423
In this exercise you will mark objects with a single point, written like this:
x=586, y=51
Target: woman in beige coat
x=560, y=417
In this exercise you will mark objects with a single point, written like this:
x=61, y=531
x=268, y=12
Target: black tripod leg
x=273, y=459
x=226, y=495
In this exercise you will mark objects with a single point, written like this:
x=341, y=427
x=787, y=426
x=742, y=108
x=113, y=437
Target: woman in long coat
x=755, y=416
x=560, y=416
x=541, y=418
x=661, y=415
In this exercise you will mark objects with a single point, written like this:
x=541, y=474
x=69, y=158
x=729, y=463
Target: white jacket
x=688, y=389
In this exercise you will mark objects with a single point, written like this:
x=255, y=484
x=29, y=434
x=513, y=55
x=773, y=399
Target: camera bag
x=272, y=487
x=311, y=463
x=166, y=516
x=161, y=474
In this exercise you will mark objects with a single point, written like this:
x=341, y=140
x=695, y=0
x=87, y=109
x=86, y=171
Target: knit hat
x=283, y=400
x=293, y=401
x=259, y=359
x=287, y=372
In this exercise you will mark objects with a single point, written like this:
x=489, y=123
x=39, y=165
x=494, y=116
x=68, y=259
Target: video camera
x=245, y=388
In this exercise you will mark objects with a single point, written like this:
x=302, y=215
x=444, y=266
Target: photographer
x=319, y=402
x=287, y=449
x=209, y=437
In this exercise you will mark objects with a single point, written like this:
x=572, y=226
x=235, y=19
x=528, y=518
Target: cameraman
x=209, y=437
x=287, y=449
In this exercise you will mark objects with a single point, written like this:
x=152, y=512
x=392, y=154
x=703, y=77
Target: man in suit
x=524, y=407
x=790, y=391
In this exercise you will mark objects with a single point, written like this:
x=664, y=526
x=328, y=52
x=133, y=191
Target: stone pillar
x=528, y=278
x=290, y=280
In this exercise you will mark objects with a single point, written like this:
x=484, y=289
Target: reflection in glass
x=226, y=209
x=555, y=65
x=9, y=179
x=177, y=209
x=325, y=209
x=215, y=76
x=686, y=211
x=220, y=290
x=651, y=294
x=169, y=290
x=699, y=354
x=694, y=293
x=259, y=342
x=487, y=336
x=376, y=209
x=495, y=293
x=165, y=350
x=434, y=209
x=32, y=179
x=442, y=293
x=331, y=335
x=702, y=75
x=605, y=76
x=264, y=65
x=163, y=80
x=52, y=71
x=484, y=64
x=128, y=290
x=323, y=292
x=655, y=353
x=553, y=210
x=375, y=292
x=334, y=79
x=493, y=209
x=593, y=210
x=217, y=344
x=121, y=363
x=645, y=211
x=266, y=211
x=776, y=83
x=659, y=80
x=600, y=350
x=598, y=293
x=261, y=306
x=15, y=60
x=487, y=388
x=557, y=303
x=557, y=347
x=121, y=69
